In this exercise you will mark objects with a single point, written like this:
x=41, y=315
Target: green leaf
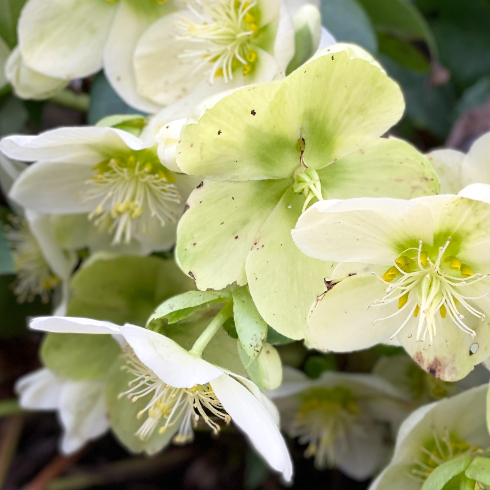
x=276, y=338
x=256, y=470
x=474, y=96
x=124, y=289
x=403, y=52
x=6, y=262
x=104, y=101
x=266, y=370
x=479, y=470
x=316, y=365
x=446, y=472
x=250, y=326
x=230, y=328
x=79, y=356
x=13, y=114
x=123, y=414
x=349, y=22
x=132, y=123
x=184, y=305
x=9, y=14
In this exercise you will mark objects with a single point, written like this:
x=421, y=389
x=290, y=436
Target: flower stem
x=68, y=98
x=210, y=331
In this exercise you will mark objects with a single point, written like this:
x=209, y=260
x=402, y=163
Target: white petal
x=478, y=192
x=73, y=325
x=361, y=230
x=82, y=413
x=65, y=38
x=448, y=166
x=284, y=46
x=293, y=382
x=476, y=165
x=170, y=362
x=39, y=390
x=326, y=39
x=255, y=421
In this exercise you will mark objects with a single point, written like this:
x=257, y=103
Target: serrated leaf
x=9, y=15
x=250, y=326
x=184, y=305
x=266, y=370
x=446, y=472
x=479, y=470
x=79, y=356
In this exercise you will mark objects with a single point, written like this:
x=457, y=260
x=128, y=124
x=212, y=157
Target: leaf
x=256, y=470
x=445, y=472
x=479, y=470
x=104, y=101
x=132, y=123
x=7, y=265
x=316, y=365
x=9, y=14
x=474, y=96
x=266, y=370
x=13, y=115
x=250, y=326
x=183, y=306
x=349, y=22
x=276, y=338
x=403, y=52
x=124, y=289
x=79, y=356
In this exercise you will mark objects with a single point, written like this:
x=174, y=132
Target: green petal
x=79, y=356
x=123, y=415
x=445, y=472
x=283, y=281
x=218, y=230
x=479, y=470
x=384, y=168
x=266, y=370
x=183, y=306
x=124, y=289
x=251, y=328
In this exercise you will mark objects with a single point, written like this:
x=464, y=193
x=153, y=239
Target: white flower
x=184, y=389
x=342, y=418
x=107, y=174
x=211, y=46
x=80, y=405
x=435, y=434
x=427, y=285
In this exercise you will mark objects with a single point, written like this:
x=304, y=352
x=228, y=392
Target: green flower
x=269, y=150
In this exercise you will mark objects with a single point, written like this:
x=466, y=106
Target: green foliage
x=276, y=338
x=13, y=114
x=79, y=356
x=6, y=263
x=316, y=365
x=445, y=472
x=9, y=14
x=479, y=470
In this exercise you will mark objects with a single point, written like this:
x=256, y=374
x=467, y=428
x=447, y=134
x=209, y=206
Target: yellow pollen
x=423, y=258
x=416, y=312
x=252, y=56
x=454, y=263
x=466, y=270
x=443, y=311
x=402, y=301
x=390, y=274
x=246, y=70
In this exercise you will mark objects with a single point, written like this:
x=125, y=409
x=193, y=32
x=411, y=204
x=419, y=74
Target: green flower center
x=431, y=287
x=323, y=421
x=34, y=277
x=129, y=191
x=223, y=37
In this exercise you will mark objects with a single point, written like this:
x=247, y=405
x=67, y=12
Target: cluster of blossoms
x=260, y=204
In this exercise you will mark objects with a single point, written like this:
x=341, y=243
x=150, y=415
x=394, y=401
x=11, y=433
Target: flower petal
x=283, y=281
x=475, y=167
x=65, y=38
x=366, y=230
x=255, y=421
x=170, y=362
x=39, y=390
x=343, y=319
x=448, y=165
x=73, y=325
x=218, y=229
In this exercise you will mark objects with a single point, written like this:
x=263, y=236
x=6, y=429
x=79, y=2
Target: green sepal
x=123, y=414
x=230, y=328
x=479, y=470
x=266, y=370
x=79, y=356
x=276, y=338
x=185, y=305
x=131, y=123
x=124, y=289
x=250, y=326
x=445, y=472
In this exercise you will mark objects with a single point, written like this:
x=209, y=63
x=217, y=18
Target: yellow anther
x=390, y=274
x=353, y=407
x=416, y=312
x=404, y=262
x=246, y=70
x=249, y=18
x=443, y=311
x=148, y=167
x=253, y=27
x=423, y=258
x=466, y=270
x=218, y=73
x=454, y=263
x=251, y=56
x=402, y=301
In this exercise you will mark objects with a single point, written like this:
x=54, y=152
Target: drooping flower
x=80, y=405
x=419, y=272
x=181, y=389
x=109, y=175
x=269, y=151
x=343, y=418
x=440, y=443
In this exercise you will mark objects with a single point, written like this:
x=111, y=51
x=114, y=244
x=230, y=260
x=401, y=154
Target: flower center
x=421, y=384
x=430, y=288
x=169, y=405
x=223, y=37
x=34, y=278
x=323, y=422
x=130, y=190
x=437, y=451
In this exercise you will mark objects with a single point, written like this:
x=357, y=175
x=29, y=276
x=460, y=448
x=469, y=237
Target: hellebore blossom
x=180, y=388
x=342, y=417
x=267, y=152
x=418, y=272
x=442, y=446
x=107, y=174
x=80, y=405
